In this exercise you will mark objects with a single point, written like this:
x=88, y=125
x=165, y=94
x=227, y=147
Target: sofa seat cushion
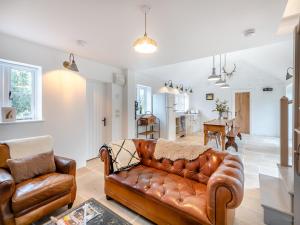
x=38, y=191
x=181, y=193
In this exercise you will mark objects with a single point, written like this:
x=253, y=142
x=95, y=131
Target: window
x=144, y=99
x=182, y=103
x=21, y=89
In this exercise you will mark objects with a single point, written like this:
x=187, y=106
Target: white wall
x=264, y=106
x=259, y=67
x=64, y=96
x=129, y=93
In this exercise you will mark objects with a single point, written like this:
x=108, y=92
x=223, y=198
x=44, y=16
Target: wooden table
x=219, y=126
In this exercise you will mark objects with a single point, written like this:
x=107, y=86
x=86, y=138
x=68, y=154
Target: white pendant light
x=145, y=44
x=220, y=81
x=225, y=86
x=213, y=75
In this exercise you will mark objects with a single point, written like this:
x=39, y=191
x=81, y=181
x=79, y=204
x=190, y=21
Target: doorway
x=242, y=111
x=97, y=116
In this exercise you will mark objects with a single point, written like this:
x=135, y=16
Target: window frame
x=5, y=81
x=148, y=99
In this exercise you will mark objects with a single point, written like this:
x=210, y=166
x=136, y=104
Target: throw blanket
x=177, y=150
x=124, y=155
x=20, y=148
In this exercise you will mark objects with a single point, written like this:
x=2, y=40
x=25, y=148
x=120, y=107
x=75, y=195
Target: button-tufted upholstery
x=201, y=191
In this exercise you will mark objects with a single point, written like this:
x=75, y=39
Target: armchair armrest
x=65, y=165
x=106, y=158
x=225, y=188
x=7, y=188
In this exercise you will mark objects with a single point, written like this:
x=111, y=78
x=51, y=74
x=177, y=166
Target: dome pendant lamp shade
x=71, y=65
x=213, y=76
x=145, y=44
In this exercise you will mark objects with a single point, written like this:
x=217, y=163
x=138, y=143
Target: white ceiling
x=256, y=66
x=185, y=30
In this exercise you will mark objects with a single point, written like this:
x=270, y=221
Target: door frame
x=88, y=113
x=250, y=105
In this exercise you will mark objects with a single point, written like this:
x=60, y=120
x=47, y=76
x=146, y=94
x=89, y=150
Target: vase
x=220, y=115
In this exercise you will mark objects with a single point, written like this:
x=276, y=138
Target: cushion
x=4, y=156
x=40, y=189
x=31, y=166
x=123, y=154
x=23, y=147
x=173, y=190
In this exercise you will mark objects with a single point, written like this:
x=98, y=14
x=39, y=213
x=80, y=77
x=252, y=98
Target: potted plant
x=221, y=107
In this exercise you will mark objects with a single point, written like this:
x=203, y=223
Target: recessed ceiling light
x=81, y=43
x=249, y=32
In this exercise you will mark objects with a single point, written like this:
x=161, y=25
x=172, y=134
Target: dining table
x=220, y=126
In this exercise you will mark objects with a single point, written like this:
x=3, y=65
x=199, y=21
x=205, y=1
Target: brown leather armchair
x=202, y=191
x=30, y=200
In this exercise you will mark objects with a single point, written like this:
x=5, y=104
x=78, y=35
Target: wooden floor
x=259, y=155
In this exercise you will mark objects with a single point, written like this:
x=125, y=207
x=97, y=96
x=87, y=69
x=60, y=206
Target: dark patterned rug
x=104, y=216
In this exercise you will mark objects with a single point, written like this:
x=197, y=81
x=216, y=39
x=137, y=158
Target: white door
x=97, y=118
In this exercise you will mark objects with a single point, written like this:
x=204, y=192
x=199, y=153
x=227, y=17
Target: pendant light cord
x=145, y=23
x=213, y=61
x=220, y=66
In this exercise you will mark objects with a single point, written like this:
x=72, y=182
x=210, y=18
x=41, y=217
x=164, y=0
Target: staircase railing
x=284, y=130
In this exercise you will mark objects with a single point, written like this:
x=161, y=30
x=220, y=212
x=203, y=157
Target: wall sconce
x=288, y=75
x=189, y=90
x=180, y=88
x=71, y=65
x=168, y=88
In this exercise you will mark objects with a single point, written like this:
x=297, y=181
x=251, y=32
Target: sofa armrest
x=225, y=188
x=7, y=188
x=65, y=165
x=106, y=158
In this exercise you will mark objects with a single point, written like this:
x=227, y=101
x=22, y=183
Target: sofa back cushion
x=199, y=169
x=31, y=166
x=4, y=156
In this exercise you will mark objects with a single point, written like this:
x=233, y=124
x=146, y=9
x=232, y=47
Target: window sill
x=21, y=122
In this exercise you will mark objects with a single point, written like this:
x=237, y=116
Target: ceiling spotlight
x=145, y=44
x=71, y=65
x=288, y=75
x=249, y=32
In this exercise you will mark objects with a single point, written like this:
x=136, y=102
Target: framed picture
x=8, y=114
x=210, y=96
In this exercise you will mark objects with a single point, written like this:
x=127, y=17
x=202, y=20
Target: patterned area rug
x=100, y=215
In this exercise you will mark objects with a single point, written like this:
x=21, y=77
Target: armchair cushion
x=40, y=190
x=31, y=166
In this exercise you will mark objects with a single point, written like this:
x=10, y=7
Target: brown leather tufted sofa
x=203, y=191
x=30, y=200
